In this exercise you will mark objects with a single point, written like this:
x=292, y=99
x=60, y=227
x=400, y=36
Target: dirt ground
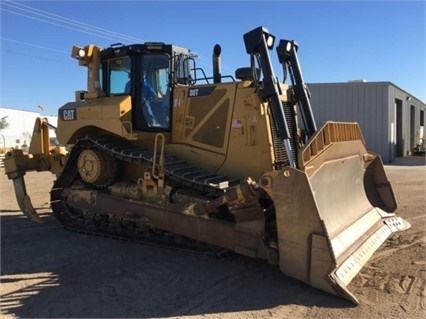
x=47, y=271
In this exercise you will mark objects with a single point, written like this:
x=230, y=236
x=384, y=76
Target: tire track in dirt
x=202, y=301
x=403, y=286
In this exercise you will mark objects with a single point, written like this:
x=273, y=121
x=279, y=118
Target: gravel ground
x=49, y=272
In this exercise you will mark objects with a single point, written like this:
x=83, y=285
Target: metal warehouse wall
x=387, y=128
x=355, y=102
x=406, y=116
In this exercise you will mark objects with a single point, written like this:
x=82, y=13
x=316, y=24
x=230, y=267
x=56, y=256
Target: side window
x=119, y=75
x=182, y=67
x=163, y=81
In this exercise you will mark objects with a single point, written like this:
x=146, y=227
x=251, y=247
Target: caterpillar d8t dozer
x=158, y=149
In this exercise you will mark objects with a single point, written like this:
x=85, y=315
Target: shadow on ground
x=49, y=272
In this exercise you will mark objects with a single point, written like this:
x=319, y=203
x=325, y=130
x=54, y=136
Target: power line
x=33, y=45
x=57, y=24
x=65, y=22
x=32, y=55
x=68, y=20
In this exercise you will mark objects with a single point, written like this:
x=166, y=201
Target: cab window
x=155, y=90
x=119, y=75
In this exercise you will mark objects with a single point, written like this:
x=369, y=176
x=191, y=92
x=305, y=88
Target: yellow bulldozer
x=154, y=147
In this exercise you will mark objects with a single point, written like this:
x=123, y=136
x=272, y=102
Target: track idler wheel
x=96, y=167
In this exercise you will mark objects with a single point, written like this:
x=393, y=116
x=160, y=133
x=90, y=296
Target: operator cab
x=148, y=73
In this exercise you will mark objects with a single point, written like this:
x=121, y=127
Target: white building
x=20, y=127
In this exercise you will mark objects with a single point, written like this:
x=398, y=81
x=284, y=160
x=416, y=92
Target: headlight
x=270, y=40
x=81, y=53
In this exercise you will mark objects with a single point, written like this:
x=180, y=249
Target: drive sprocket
x=96, y=167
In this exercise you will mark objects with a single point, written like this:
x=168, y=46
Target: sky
x=338, y=40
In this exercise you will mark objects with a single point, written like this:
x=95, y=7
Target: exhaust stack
x=217, y=50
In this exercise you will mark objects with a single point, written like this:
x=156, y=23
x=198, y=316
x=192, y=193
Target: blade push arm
x=258, y=42
x=287, y=56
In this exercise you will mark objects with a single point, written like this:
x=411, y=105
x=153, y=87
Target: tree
x=3, y=123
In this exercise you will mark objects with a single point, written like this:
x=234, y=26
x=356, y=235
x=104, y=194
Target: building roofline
x=367, y=83
x=21, y=110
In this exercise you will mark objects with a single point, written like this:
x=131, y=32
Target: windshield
x=146, y=79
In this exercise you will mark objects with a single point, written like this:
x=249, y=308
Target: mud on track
x=47, y=271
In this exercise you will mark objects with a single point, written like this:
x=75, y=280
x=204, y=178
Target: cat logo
x=69, y=115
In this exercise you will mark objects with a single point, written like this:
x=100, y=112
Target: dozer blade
x=334, y=212
x=24, y=200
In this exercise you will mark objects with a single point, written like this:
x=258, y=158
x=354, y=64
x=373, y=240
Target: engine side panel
x=219, y=126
